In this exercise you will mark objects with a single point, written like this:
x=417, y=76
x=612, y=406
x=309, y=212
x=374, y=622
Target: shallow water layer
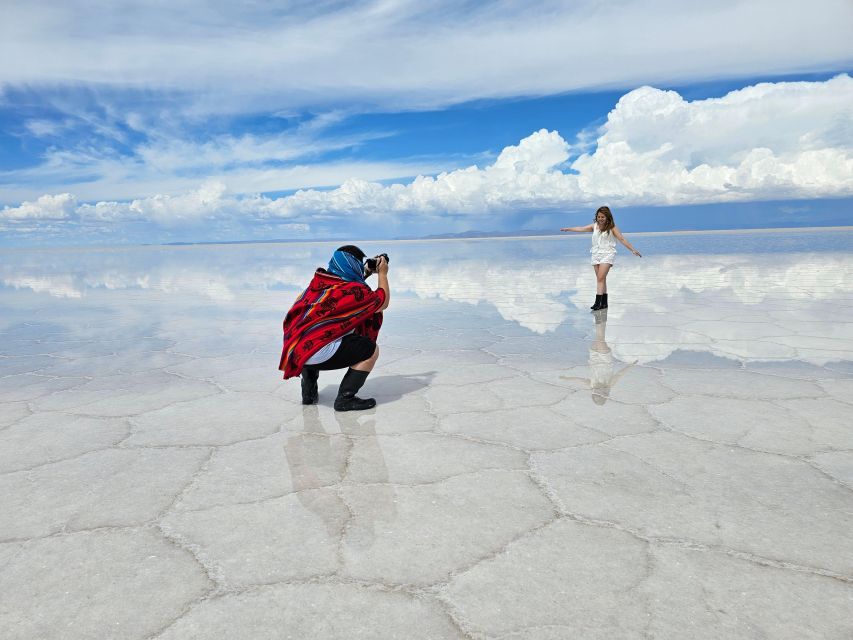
x=680, y=465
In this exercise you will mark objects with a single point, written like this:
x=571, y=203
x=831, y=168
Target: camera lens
x=371, y=263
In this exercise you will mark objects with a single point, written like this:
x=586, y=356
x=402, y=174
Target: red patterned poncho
x=329, y=308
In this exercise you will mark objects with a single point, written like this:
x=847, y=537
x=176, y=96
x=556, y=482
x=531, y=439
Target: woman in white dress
x=602, y=376
x=605, y=233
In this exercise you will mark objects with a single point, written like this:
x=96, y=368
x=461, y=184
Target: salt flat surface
x=680, y=466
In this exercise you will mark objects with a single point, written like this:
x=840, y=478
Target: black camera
x=371, y=262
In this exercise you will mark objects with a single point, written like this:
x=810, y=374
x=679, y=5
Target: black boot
x=310, y=394
x=347, y=400
x=597, y=304
x=603, y=301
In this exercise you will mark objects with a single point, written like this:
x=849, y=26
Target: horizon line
x=543, y=236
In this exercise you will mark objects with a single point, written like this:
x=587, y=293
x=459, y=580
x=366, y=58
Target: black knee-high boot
x=597, y=305
x=347, y=400
x=310, y=394
x=603, y=301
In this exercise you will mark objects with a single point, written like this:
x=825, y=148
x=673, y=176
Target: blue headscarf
x=346, y=266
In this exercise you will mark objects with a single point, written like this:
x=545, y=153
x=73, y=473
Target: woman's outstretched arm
x=622, y=239
x=621, y=372
x=586, y=229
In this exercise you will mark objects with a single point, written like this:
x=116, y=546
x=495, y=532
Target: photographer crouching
x=334, y=324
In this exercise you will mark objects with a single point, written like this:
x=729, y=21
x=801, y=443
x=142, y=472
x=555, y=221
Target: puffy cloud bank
x=47, y=207
x=207, y=203
x=772, y=140
x=783, y=140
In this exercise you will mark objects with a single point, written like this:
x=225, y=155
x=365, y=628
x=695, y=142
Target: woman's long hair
x=608, y=222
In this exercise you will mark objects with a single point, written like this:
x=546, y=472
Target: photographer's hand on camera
x=382, y=272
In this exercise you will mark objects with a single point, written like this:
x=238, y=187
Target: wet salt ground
x=679, y=467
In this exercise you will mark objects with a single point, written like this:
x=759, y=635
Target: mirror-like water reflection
x=774, y=299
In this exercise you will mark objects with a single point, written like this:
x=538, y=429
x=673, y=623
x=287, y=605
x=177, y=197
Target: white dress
x=600, y=369
x=603, y=246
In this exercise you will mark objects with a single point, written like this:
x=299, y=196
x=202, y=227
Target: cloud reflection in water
x=743, y=306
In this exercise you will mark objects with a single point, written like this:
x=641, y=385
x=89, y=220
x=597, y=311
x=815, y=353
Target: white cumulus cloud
x=48, y=207
x=209, y=200
x=771, y=140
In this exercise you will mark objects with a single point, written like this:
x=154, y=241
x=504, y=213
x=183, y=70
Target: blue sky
x=129, y=123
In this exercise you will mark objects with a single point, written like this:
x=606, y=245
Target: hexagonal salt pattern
x=669, y=486
x=679, y=466
x=118, y=583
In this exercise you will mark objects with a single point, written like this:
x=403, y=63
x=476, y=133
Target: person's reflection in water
x=318, y=459
x=601, y=374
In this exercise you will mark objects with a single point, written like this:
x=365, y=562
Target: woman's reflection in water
x=335, y=461
x=601, y=374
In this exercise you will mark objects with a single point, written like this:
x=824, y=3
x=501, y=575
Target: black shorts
x=354, y=349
